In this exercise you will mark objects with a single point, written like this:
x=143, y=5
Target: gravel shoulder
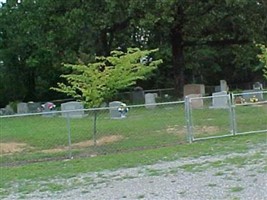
x=233, y=176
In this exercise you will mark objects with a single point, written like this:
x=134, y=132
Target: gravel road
x=234, y=176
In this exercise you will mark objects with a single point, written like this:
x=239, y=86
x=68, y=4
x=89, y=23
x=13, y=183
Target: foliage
x=200, y=41
x=96, y=82
x=263, y=58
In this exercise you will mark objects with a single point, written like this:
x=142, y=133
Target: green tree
x=200, y=41
x=263, y=58
x=203, y=41
x=98, y=81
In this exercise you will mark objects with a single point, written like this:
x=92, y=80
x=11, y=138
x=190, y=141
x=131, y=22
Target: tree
x=200, y=41
x=205, y=40
x=98, y=81
x=263, y=58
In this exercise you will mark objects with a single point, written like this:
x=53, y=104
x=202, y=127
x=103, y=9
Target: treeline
x=200, y=41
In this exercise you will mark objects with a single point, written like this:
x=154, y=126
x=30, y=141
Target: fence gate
x=250, y=112
x=209, y=117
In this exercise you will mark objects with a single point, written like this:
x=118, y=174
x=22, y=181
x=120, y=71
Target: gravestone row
x=220, y=98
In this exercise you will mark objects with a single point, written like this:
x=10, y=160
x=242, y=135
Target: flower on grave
x=48, y=105
x=123, y=109
x=240, y=100
x=254, y=99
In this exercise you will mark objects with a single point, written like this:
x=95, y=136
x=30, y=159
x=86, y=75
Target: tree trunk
x=178, y=57
x=31, y=86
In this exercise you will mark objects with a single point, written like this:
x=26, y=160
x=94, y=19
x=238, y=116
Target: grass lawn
x=45, y=171
x=42, y=137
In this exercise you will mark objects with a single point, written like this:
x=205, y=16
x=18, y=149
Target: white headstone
x=220, y=100
x=257, y=86
x=75, y=109
x=9, y=110
x=113, y=110
x=224, y=86
x=34, y=107
x=22, y=108
x=217, y=88
x=197, y=102
x=150, y=98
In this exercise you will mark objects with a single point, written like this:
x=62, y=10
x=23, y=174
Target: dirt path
x=233, y=176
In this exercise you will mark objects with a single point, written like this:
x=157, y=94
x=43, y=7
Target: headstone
x=150, y=98
x=194, y=89
x=196, y=103
x=217, y=88
x=113, y=109
x=257, y=86
x=9, y=110
x=220, y=100
x=248, y=94
x=224, y=86
x=2, y=111
x=22, y=108
x=34, y=107
x=138, y=95
x=75, y=109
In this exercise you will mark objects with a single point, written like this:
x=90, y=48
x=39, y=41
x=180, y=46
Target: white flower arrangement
x=123, y=109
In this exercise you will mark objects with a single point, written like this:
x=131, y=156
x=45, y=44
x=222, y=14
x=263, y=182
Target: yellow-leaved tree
x=96, y=82
x=263, y=59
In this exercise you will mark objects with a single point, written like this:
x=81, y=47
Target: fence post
x=232, y=111
x=94, y=127
x=188, y=119
x=69, y=135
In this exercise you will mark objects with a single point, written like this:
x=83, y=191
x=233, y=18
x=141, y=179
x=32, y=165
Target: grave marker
x=196, y=103
x=113, y=110
x=22, y=108
x=138, y=95
x=220, y=100
x=75, y=109
x=224, y=86
x=34, y=107
x=194, y=89
x=150, y=98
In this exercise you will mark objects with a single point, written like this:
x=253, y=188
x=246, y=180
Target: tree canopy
x=96, y=82
x=263, y=58
x=200, y=41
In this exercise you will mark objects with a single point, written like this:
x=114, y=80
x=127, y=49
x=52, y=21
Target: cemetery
x=135, y=126
x=176, y=91
x=149, y=98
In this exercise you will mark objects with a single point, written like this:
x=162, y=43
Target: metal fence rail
x=250, y=116
x=89, y=132
x=226, y=115
x=206, y=120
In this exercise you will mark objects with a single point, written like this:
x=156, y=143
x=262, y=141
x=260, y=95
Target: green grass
x=45, y=171
x=143, y=128
x=158, y=134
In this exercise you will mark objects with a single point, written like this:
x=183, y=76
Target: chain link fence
x=76, y=133
x=226, y=115
x=89, y=132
